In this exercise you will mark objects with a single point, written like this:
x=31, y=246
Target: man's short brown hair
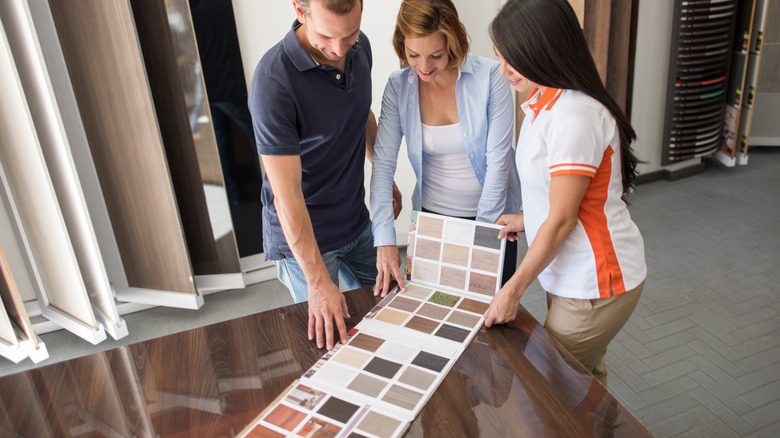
x=340, y=7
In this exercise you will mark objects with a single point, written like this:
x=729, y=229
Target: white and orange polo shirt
x=568, y=132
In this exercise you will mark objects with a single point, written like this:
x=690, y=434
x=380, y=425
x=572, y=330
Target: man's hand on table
x=326, y=305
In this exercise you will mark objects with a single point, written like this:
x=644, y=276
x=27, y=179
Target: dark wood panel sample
x=162, y=54
x=101, y=50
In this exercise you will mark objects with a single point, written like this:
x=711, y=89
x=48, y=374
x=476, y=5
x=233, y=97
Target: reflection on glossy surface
x=193, y=89
x=213, y=381
x=171, y=58
x=222, y=105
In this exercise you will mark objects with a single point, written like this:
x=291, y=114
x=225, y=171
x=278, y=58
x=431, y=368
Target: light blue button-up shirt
x=486, y=116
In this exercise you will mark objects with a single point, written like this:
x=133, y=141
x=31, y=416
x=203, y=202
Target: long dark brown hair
x=542, y=40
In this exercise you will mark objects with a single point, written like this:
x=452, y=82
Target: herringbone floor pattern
x=700, y=357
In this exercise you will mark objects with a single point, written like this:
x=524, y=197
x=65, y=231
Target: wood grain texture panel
x=101, y=51
x=170, y=65
x=597, y=28
x=55, y=145
x=33, y=202
x=12, y=304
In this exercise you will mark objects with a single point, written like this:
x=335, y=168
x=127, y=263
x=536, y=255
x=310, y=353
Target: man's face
x=329, y=35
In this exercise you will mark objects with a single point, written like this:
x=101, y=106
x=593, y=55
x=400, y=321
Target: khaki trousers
x=586, y=327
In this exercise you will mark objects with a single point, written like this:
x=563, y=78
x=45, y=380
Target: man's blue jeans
x=354, y=262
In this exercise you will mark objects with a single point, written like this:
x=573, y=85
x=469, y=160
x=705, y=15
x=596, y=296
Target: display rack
x=748, y=37
x=698, y=77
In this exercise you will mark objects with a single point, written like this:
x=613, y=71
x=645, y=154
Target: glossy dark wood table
x=512, y=381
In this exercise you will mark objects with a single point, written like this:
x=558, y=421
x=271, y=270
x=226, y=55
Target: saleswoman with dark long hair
x=575, y=164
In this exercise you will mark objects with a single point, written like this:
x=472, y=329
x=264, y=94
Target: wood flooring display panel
x=100, y=46
x=698, y=78
x=33, y=204
x=11, y=346
x=55, y=145
x=746, y=59
x=173, y=67
x=18, y=285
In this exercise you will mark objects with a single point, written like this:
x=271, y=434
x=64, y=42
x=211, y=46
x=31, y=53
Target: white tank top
x=449, y=185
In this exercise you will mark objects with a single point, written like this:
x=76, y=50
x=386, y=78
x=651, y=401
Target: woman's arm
x=385, y=159
x=500, y=120
x=566, y=193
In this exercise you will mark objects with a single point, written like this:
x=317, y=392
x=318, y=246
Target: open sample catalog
x=396, y=356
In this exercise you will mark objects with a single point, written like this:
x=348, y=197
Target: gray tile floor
x=701, y=354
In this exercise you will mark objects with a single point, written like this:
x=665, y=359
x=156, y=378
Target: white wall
x=261, y=24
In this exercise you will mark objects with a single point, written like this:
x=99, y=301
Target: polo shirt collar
x=300, y=58
x=543, y=101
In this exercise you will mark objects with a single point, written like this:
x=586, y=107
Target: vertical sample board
x=173, y=67
x=33, y=205
x=55, y=146
x=698, y=78
x=101, y=50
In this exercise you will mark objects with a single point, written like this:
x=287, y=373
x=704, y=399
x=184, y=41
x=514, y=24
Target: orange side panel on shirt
x=594, y=220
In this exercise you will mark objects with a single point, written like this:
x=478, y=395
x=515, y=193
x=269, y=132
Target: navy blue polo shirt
x=300, y=107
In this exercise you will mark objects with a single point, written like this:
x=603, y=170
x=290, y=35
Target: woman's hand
x=387, y=264
x=503, y=307
x=513, y=223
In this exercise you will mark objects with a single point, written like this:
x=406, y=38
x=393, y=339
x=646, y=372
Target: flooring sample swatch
x=392, y=316
x=338, y=409
x=285, y=417
x=429, y=226
x=261, y=431
x=452, y=333
x=433, y=311
x=463, y=319
x=473, y=306
x=430, y=361
x=444, y=299
x=455, y=255
x=404, y=304
x=305, y=397
x=379, y=425
x=485, y=260
x=366, y=342
x=352, y=357
x=487, y=237
x=453, y=277
x=416, y=291
x=483, y=284
x=405, y=398
x=316, y=427
x=367, y=385
x=382, y=367
x=417, y=378
x=422, y=324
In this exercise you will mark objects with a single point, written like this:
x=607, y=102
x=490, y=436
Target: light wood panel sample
x=171, y=58
x=32, y=201
x=55, y=145
x=104, y=62
x=10, y=345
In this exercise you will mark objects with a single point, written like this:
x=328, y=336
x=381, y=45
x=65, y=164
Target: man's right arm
x=326, y=302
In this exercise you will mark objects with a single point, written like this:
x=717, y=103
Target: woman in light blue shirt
x=456, y=113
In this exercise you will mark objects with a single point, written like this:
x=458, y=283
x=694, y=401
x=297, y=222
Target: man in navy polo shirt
x=310, y=100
